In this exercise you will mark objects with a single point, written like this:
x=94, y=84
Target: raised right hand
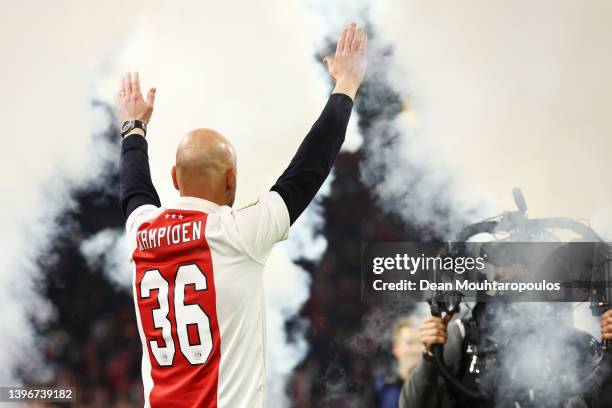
x=347, y=68
x=433, y=331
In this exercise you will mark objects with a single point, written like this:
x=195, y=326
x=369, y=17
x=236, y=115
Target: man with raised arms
x=198, y=262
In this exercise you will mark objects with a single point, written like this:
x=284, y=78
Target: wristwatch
x=130, y=125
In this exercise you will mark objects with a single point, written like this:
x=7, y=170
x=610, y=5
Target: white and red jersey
x=198, y=292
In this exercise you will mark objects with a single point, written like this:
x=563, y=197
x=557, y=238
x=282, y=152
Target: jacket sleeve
x=135, y=185
x=315, y=157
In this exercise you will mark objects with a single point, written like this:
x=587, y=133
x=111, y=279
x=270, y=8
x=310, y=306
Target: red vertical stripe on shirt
x=181, y=384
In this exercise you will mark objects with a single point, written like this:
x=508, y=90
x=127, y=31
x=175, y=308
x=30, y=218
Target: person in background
x=407, y=349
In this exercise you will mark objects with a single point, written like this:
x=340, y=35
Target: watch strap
x=130, y=125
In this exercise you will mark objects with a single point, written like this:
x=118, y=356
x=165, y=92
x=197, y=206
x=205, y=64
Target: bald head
x=206, y=167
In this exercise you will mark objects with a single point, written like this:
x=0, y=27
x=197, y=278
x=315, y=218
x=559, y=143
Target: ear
x=174, y=179
x=230, y=179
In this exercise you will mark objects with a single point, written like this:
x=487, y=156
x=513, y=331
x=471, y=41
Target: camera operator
x=427, y=389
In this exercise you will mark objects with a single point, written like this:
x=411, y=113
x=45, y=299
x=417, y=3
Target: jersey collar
x=195, y=203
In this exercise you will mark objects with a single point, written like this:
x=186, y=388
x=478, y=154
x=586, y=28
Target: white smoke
x=30, y=221
x=543, y=362
x=287, y=289
x=397, y=166
x=107, y=250
x=507, y=94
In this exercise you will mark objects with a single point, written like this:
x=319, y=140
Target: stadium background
x=462, y=103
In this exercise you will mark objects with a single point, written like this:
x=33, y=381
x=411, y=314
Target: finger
x=364, y=42
x=356, y=39
x=434, y=329
x=432, y=320
x=340, y=45
x=434, y=333
x=151, y=97
x=606, y=321
x=136, y=83
x=127, y=83
x=427, y=324
x=121, y=87
x=123, y=90
x=434, y=340
x=349, y=38
x=608, y=313
x=427, y=328
x=433, y=326
x=330, y=66
x=607, y=336
x=361, y=40
x=429, y=340
x=430, y=332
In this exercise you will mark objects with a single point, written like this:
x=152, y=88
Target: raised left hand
x=130, y=102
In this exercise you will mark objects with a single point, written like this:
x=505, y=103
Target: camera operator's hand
x=433, y=331
x=606, y=325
